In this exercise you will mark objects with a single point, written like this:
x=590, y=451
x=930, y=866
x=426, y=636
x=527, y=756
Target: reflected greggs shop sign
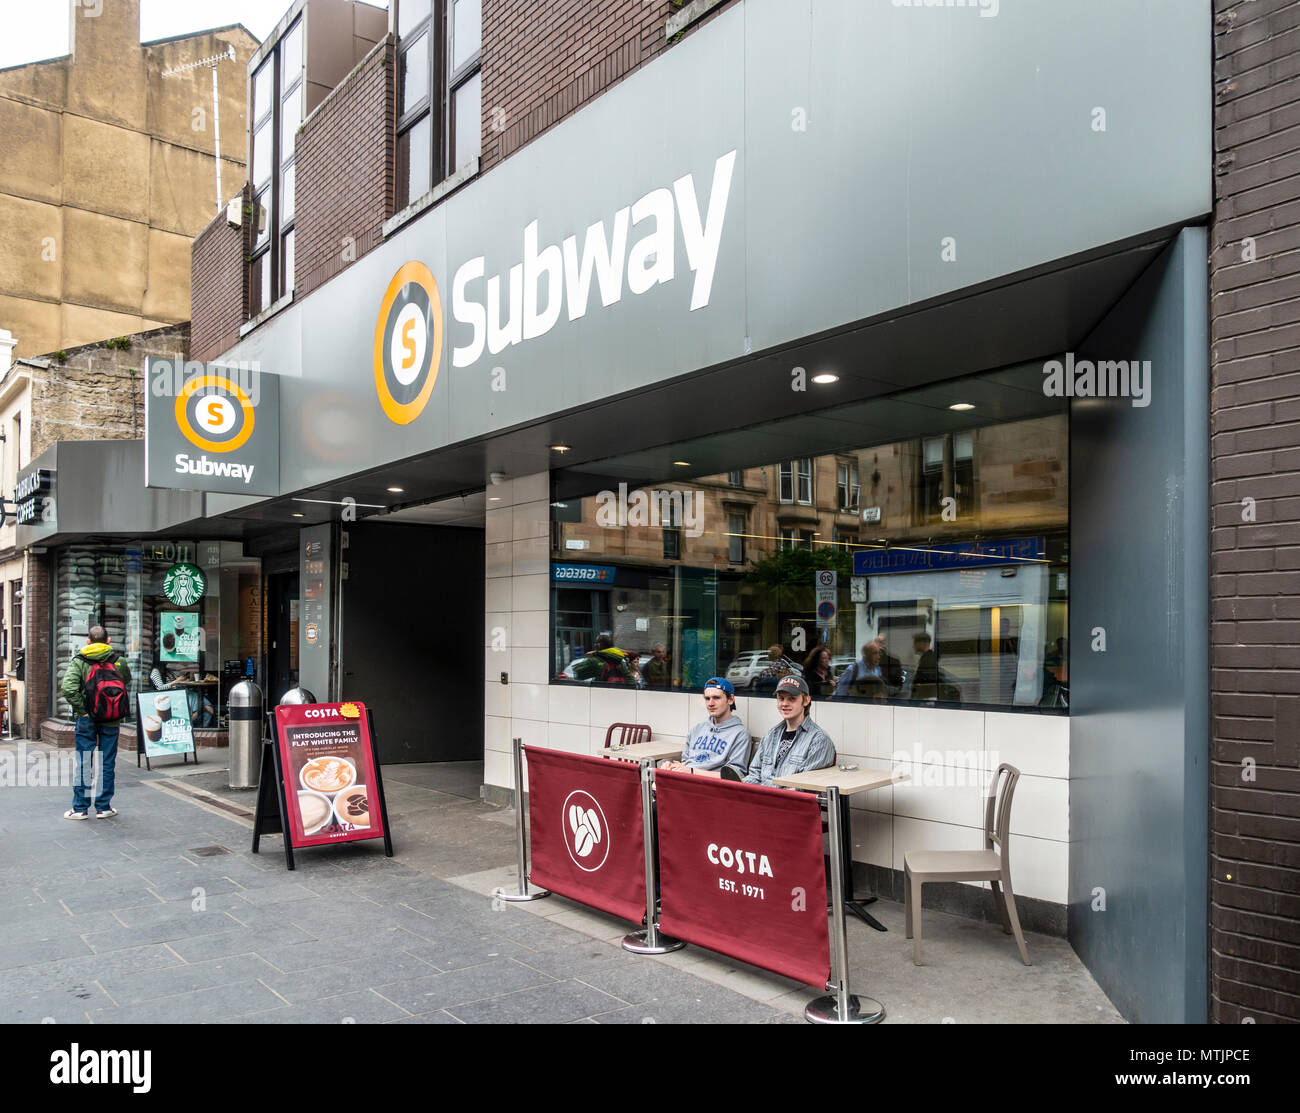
x=636, y=245
x=212, y=427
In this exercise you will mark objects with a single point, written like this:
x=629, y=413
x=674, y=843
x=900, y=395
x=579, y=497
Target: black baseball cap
x=791, y=684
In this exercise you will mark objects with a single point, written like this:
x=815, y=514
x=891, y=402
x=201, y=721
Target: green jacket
x=74, y=681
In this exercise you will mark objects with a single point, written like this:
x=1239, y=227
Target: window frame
x=797, y=475
x=848, y=488
x=268, y=262
x=736, y=525
x=16, y=600
x=438, y=104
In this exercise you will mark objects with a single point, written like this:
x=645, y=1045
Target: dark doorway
x=413, y=638
x=282, y=636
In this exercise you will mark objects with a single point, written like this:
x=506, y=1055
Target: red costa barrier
x=586, y=834
x=740, y=872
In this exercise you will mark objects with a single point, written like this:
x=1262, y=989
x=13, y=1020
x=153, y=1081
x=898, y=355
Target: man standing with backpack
x=97, y=685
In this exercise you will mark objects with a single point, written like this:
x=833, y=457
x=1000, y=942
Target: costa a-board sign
x=322, y=776
x=209, y=427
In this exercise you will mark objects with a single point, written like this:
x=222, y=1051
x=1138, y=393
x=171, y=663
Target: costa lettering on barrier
x=741, y=872
x=586, y=835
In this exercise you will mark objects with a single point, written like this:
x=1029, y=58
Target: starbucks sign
x=184, y=584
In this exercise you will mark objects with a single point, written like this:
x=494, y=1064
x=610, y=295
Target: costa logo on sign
x=214, y=413
x=408, y=343
x=586, y=832
x=321, y=713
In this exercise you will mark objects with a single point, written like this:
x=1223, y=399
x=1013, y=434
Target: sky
x=31, y=30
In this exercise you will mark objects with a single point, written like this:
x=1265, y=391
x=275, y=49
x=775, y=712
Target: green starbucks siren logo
x=184, y=584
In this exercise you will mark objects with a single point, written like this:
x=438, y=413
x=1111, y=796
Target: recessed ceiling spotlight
x=494, y=498
x=825, y=378
x=561, y=447
x=396, y=490
x=961, y=406
x=681, y=463
x=297, y=514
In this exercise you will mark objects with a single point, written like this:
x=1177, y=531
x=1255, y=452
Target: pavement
x=162, y=915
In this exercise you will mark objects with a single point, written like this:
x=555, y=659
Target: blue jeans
x=89, y=735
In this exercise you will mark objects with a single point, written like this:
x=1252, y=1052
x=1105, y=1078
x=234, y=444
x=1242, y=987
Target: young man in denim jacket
x=794, y=745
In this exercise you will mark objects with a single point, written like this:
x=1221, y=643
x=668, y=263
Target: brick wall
x=96, y=392
x=542, y=62
x=345, y=175
x=1255, y=449
x=36, y=639
x=218, y=286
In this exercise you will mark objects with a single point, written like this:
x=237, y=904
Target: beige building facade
x=110, y=171
x=15, y=452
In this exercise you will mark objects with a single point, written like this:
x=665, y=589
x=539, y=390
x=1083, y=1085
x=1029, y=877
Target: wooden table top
x=644, y=751
x=848, y=781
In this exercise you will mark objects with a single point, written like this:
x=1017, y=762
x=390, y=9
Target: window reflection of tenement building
x=940, y=488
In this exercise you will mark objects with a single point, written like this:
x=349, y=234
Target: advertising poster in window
x=179, y=636
x=165, y=723
x=327, y=759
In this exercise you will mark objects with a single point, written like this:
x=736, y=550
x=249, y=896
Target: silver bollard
x=500, y=893
x=843, y=1007
x=649, y=941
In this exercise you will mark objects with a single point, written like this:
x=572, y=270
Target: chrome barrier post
x=500, y=893
x=649, y=941
x=842, y=1007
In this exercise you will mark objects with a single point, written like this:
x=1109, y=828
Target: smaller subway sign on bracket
x=211, y=427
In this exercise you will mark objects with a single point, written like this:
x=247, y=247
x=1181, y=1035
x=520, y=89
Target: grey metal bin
x=244, y=705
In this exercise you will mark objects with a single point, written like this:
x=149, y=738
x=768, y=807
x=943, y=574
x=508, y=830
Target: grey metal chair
x=991, y=864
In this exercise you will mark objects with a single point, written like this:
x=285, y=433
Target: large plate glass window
x=968, y=610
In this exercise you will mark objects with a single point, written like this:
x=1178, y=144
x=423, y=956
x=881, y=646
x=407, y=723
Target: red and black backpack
x=104, y=690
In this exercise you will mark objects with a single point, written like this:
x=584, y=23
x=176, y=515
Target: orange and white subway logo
x=215, y=413
x=408, y=343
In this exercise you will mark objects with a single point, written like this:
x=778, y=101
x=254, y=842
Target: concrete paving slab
x=491, y=979
x=363, y=1007
x=197, y=1007
x=556, y=1003
x=330, y=979
x=440, y=1017
x=59, y=1006
x=132, y=989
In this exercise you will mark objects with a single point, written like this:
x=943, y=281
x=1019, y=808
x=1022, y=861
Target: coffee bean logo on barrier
x=586, y=833
x=408, y=343
x=214, y=413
